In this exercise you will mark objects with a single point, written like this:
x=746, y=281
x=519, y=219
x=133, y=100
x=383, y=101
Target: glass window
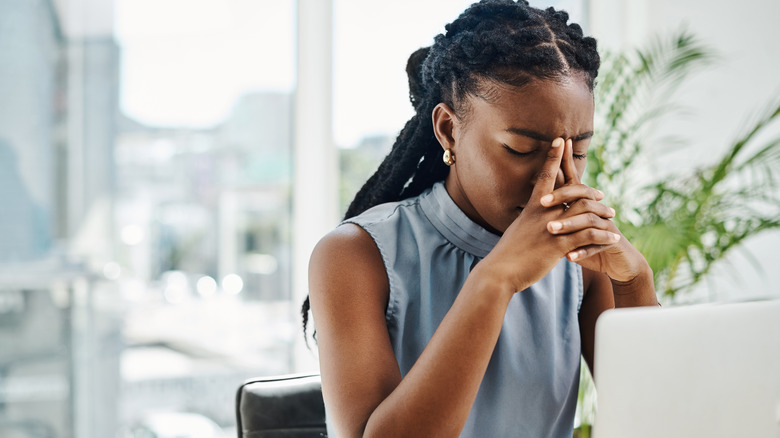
x=145, y=179
x=203, y=207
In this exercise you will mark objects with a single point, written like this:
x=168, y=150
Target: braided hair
x=503, y=41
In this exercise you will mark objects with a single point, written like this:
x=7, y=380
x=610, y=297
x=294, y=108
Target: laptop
x=705, y=370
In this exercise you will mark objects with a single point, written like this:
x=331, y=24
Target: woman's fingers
x=571, y=193
x=585, y=252
x=570, y=175
x=592, y=238
x=595, y=216
x=545, y=178
x=572, y=188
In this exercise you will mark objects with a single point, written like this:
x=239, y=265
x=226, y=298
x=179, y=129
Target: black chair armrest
x=281, y=407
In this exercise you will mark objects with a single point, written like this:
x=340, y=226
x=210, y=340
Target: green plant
x=684, y=222
x=586, y=404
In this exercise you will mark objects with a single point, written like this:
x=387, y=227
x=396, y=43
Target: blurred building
x=142, y=269
x=214, y=201
x=203, y=217
x=357, y=164
x=31, y=72
x=58, y=87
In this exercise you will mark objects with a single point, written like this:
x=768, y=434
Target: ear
x=445, y=125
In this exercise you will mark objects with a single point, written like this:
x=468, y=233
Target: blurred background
x=166, y=167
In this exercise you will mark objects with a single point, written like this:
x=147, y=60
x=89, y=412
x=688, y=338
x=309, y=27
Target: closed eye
x=518, y=153
x=580, y=156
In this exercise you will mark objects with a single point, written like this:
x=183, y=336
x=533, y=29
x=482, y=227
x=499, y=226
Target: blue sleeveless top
x=429, y=246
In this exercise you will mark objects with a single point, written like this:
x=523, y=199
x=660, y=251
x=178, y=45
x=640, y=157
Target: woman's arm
x=362, y=385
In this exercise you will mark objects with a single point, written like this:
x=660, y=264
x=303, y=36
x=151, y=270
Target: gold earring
x=449, y=157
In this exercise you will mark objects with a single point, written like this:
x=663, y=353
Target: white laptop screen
x=710, y=370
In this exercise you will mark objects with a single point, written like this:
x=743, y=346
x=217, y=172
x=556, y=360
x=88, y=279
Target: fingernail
x=558, y=142
x=612, y=210
x=615, y=237
x=546, y=199
x=573, y=256
x=556, y=226
x=600, y=193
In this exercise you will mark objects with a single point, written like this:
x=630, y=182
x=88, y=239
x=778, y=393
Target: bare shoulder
x=345, y=258
x=344, y=240
x=348, y=289
x=348, y=285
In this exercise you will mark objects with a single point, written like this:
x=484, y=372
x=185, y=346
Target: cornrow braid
x=504, y=41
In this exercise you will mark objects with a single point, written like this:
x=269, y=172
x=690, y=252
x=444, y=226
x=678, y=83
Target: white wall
x=742, y=82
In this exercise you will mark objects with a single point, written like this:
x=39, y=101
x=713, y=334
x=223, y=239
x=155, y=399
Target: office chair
x=281, y=407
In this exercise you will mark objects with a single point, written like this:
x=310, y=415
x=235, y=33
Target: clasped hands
x=597, y=243
x=567, y=221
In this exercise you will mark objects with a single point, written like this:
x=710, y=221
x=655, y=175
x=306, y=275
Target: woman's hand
x=527, y=250
x=582, y=212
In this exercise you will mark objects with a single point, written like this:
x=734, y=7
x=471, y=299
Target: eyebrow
x=541, y=137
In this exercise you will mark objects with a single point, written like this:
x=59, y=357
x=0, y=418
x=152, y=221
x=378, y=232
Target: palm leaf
x=683, y=223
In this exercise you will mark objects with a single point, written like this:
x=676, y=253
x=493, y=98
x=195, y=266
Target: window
x=147, y=163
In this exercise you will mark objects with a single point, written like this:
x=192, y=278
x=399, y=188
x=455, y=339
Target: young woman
x=464, y=285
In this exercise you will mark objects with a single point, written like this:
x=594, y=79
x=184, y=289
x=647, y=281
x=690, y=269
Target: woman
x=460, y=292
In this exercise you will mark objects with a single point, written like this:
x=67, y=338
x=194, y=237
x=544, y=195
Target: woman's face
x=502, y=141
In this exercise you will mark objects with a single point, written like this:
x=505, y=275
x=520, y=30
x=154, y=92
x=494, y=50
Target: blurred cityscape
x=145, y=272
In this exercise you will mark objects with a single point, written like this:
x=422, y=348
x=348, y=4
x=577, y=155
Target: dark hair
x=503, y=41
